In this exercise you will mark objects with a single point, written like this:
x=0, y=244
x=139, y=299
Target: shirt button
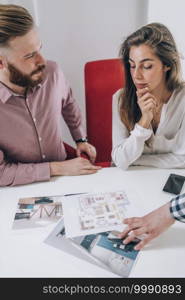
x=43, y=156
x=40, y=139
x=34, y=119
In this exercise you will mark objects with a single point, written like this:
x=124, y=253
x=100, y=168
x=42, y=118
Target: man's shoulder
x=54, y=71
x=52, y=66
x=55, y=76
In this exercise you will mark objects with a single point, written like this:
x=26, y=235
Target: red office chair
x=102, y=79
x=70, y=151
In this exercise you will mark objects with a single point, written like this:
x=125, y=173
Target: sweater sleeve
x=12, y=174
x=163, y=161
x=127, y=147
x=174, y=148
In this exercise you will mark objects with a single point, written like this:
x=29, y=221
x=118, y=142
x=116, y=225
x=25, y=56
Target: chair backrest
x=102, y=79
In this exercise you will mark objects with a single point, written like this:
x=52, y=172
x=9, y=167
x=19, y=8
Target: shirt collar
x=6, y=93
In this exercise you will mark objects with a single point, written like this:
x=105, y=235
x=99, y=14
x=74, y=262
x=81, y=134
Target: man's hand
x=87, y=149
x=151, y=225
x=147, y=104
x=76, y=166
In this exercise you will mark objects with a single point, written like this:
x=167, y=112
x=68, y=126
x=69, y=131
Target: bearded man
x=34, y=95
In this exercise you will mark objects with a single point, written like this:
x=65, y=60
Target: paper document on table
x=103, y=249
x=96, y=212
x=35, y=212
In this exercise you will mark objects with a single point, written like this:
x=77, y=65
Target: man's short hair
x=14, y=21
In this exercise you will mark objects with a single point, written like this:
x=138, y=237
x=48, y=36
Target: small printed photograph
x=37, y=211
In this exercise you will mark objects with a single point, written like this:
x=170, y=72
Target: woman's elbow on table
x=119, y=161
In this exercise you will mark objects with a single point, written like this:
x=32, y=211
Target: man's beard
x=23, y=80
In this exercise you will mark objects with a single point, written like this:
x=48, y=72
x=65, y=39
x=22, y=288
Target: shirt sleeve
x=70, y=110
x=127, y=147
x=177, y=208
x=12, y=174
x=163, y=161
x=172, y=158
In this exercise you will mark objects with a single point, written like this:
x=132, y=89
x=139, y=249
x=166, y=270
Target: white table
x=24, y=254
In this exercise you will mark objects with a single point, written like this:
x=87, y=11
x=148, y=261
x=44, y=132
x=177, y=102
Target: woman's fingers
x=141, y=92
x=148, y=101
x=132, y=223
x=144, y=241
x=146, y=97
x=134, y=234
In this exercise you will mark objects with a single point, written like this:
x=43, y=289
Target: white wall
x=172, y=14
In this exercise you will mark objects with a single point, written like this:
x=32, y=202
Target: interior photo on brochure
x=37, y=211
x=104, y=249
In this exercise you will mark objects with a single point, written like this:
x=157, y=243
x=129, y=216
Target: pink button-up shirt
x=30, y=128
